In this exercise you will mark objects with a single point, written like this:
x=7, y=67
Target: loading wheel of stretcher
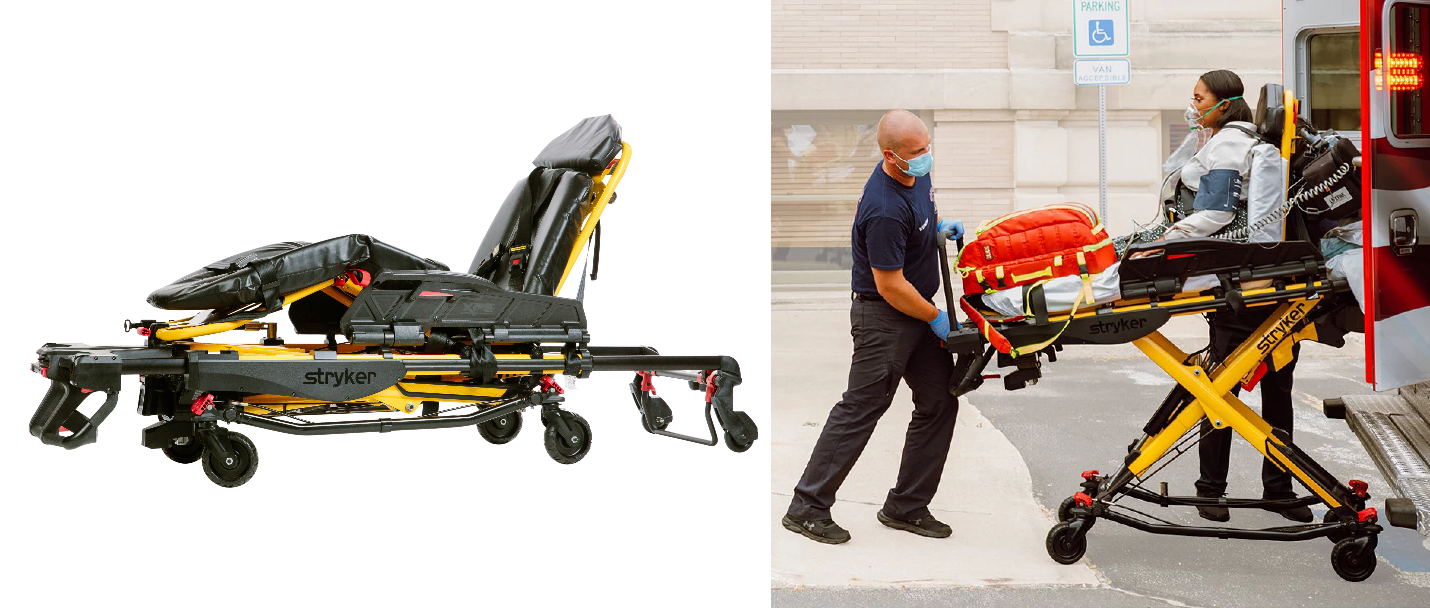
x=568, y=447
x=188, y=452
x=1065, y=508
x=744, y=421
x=235, y=468
x=1064, y=545
x=1354, y=558
x=501, y=430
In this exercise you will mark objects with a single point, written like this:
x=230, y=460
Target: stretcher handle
x=948, y=281
x=59, y=410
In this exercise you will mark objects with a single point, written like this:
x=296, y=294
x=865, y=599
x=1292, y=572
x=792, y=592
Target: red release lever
x=143, y=332
x=548, y=383
x=1367, y=515
x=1255, y=377
x=202, y=404
x=1089, y=474
x=646, y=384
x=1358, y=487
x=709, y=386
x=357, y=276
x=1081, y=499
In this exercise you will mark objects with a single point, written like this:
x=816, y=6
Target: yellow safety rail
x=604, y=193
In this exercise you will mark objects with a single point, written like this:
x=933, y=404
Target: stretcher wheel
x=187, y=453
x=1352, y=561
x=238, y=468
x=744, y=421
x=569, y=448
x=1335, y=535
x=1065, y=546
x=1065, y=508
x=657, y=415
x=501, y=430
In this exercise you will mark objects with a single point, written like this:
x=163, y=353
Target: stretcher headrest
x=1270, y=117
x=588, y=147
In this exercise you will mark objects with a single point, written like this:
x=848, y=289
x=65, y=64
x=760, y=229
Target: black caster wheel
x=1352, y=561
x=657, y=415
x=742, y=421
x=238, y=467
x=501, y=430
x=1335, y=535
x=568, y=448
x=185, y=454
x=1065, y=509
x=1063, y=545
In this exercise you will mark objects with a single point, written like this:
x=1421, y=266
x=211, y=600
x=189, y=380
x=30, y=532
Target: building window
x=1333, y=70
x=818, y=165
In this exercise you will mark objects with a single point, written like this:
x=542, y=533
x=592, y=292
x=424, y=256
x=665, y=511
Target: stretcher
x=1289, y=277
x=420, y=342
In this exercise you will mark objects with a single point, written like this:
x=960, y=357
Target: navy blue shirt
x=896, y=227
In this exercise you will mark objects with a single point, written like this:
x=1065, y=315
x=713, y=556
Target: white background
x=140, y=141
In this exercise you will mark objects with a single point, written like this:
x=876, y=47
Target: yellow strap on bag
x=1084, y=293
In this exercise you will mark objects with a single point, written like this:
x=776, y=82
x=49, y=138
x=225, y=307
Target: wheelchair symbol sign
x=1099, y=32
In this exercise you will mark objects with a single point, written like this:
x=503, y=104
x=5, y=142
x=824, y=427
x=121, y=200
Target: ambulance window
x=1402, y=70
x=1334, y=71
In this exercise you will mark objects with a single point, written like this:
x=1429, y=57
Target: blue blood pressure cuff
x=1219, y=191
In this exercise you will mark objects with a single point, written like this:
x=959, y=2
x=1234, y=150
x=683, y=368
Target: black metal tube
x=664, y=363
x=152, y=367
x=382, y=425
x=1306, y=533
x=1233, y=503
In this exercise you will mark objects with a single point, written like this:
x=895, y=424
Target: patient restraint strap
x=1035, y=305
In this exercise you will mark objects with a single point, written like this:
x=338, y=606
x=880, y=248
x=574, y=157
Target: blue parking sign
x=1099, y=32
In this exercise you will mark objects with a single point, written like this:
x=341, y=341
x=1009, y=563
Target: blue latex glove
x=940, y=325
x=951, y=229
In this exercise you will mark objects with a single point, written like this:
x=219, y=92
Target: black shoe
x=823, y=530
x=1296, y=514
x=1213, y=512
x=923, y=526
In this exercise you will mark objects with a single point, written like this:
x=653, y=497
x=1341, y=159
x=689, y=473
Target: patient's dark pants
x=1229, y=330
x=888, y=345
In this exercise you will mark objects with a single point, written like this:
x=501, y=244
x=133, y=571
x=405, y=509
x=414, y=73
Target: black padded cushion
x=563, y=199
x=1270, y=117
x=587, y=147
x=264, y=274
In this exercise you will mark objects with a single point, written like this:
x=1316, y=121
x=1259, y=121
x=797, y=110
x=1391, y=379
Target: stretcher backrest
x=556, y=199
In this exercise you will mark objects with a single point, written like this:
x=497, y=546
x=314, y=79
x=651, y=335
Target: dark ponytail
x=1225, y=84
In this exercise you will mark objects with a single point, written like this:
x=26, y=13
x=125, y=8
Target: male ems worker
x=897, y=335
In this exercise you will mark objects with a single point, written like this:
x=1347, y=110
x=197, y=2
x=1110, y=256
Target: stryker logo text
x=1282, y=329
x=337, y=379
x=1117, y=327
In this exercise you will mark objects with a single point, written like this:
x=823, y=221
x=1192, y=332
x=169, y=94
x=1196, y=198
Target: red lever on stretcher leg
x=202, y=404
x=1255, y=377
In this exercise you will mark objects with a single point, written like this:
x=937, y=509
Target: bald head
x=902, y=131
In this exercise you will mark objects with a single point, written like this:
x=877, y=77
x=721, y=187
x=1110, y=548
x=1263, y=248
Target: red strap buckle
x=1089, y=474
x=646, y=385
x=548, y=383
x=356, y=276
x=1081, y=499
x=202, y=404
x=1358, y=487
x=709, y=386
x=1368, y=515
x=1255, y=377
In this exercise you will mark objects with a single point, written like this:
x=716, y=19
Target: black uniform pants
x=1229, y=330
x=888, y=345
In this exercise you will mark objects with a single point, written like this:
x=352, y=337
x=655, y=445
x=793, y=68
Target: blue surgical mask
x=919, y=166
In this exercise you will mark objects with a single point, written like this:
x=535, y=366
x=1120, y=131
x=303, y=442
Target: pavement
x=1017, y=454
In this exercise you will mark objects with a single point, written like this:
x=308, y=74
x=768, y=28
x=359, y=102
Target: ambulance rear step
x=1396, y=434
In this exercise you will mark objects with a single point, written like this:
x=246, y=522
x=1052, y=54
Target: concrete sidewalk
x=985, y=494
